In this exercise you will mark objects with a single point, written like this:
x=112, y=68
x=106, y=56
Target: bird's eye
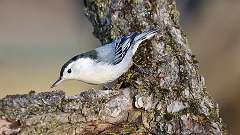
x=69, y=71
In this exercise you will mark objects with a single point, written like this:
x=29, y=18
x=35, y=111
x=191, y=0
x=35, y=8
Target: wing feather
x=122, y=46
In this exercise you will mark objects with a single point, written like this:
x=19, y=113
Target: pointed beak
x=57, y=82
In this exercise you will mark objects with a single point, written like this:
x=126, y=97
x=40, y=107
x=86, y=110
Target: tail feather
x=145, y=35
x=142, y=37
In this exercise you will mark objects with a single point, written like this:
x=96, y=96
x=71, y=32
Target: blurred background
x=38, y=36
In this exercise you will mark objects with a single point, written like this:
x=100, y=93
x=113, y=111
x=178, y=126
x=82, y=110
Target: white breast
x=98, y=73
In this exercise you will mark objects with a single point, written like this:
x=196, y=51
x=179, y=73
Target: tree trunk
x=166, y=96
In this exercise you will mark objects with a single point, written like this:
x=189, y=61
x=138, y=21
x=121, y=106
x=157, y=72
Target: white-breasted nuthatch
x=106, y=63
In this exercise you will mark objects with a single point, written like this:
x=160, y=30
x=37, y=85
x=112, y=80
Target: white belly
x=98, y=73
x=102, y=73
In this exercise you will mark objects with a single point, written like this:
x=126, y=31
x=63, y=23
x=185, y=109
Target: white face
x=67, y=73
x=77, y=69
x=74, y=70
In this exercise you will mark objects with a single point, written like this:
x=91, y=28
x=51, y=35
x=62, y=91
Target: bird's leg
x=108, y=86
x=114, y=85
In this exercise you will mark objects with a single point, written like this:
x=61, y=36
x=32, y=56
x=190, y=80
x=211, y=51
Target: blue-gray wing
x=122, y=46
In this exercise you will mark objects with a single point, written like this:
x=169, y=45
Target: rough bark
x=167, y=96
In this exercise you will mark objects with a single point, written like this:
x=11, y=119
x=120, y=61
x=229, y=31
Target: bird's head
x=69, y=71
x=77, y=67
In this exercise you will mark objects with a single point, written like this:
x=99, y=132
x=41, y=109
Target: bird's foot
x=109, y=85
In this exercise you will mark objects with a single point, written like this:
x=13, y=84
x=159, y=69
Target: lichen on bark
x=167, y=96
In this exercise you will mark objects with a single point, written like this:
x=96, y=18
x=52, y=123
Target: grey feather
x=112, y=53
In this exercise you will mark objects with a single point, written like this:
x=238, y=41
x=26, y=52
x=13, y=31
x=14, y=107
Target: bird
x=106, y=63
